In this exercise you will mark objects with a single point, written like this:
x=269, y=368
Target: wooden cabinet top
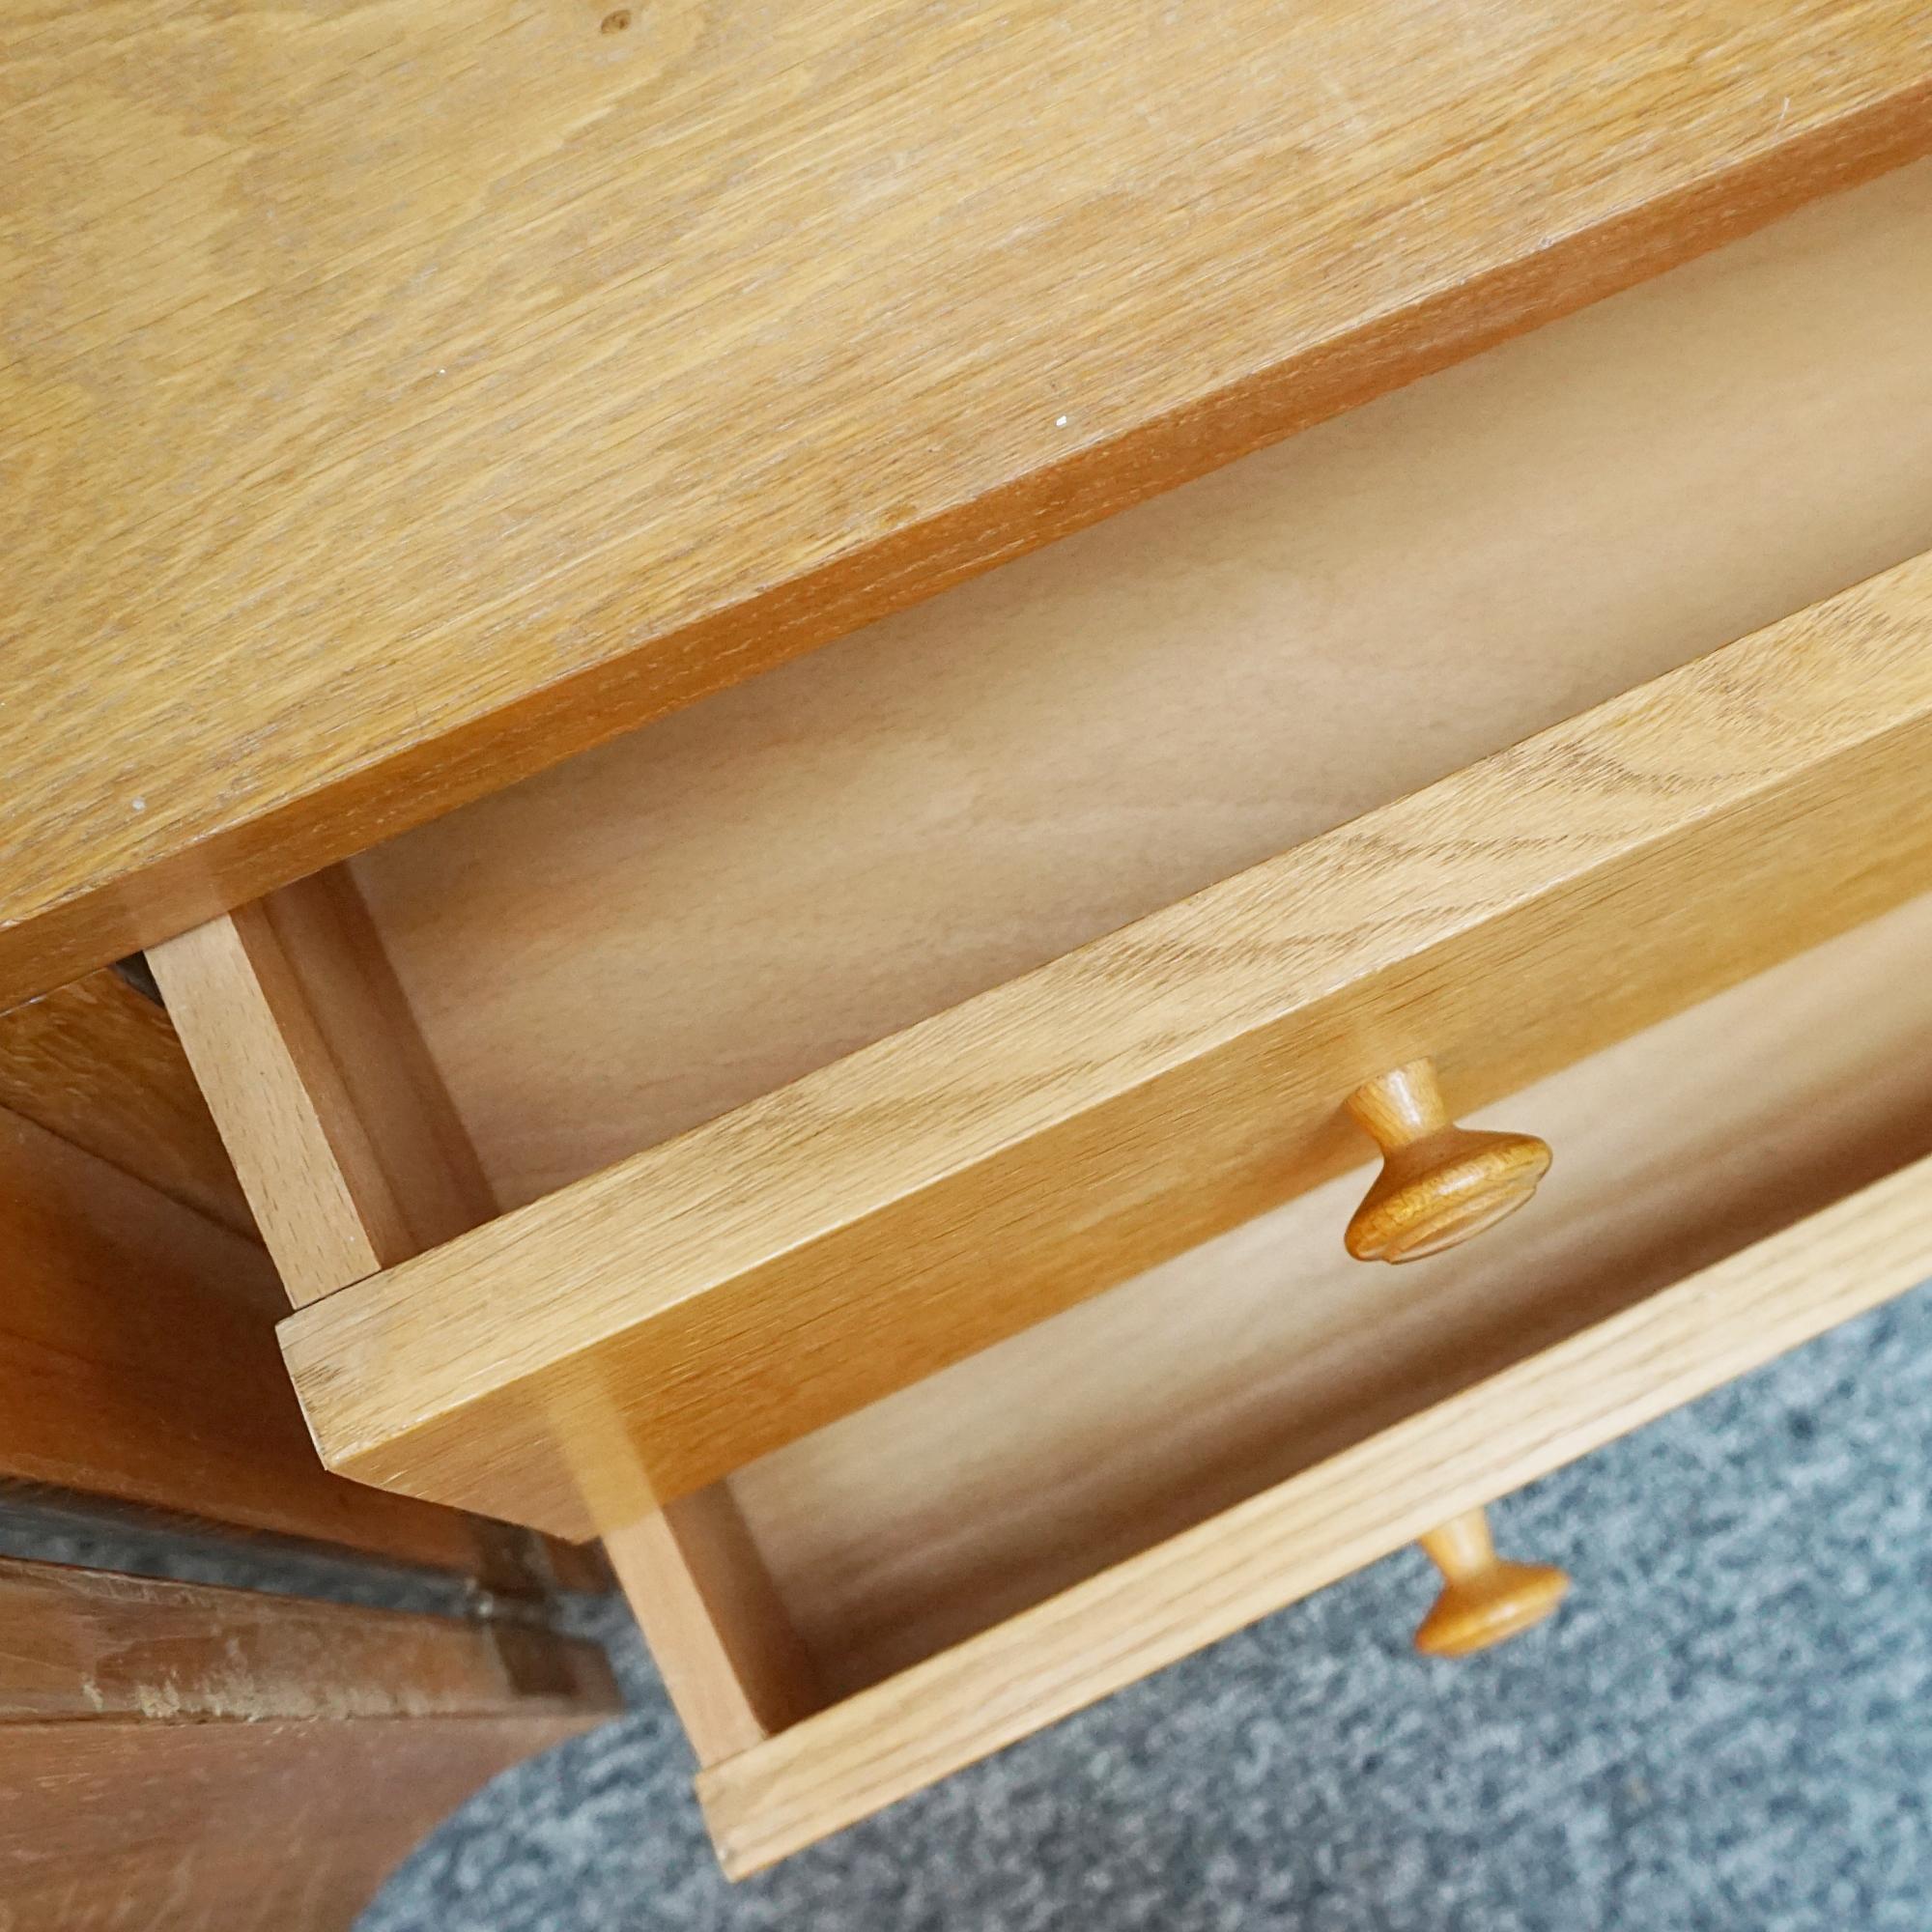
x=400, y=399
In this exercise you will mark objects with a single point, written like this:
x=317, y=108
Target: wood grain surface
x=333, y=1112
x=1319, y=1526
x=400, y=400
x=983, y=1490
x=138, y=1364
x=731, y=1663
x=657, y=1325
x=660, y=930
x=184, y=1758
x=99, y=1064
x=90, y=1644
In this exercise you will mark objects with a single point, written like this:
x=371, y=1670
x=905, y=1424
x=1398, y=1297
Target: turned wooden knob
x=1484, y=1599
x=1439, y=1184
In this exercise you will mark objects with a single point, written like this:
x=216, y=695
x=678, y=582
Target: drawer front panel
x=928, y=1721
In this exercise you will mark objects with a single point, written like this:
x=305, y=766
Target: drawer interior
x=514, y=1097
x=656, y=932
x=662, y=931
x=914, y=1524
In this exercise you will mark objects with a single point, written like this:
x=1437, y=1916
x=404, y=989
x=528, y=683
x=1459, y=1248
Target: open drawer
x=970, y=1560
x=552, y=1115
x=819, y=1143
x=965, y=1562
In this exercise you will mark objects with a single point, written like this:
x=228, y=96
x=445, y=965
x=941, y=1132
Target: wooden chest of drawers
x=874, y=1145
x=709, y=1126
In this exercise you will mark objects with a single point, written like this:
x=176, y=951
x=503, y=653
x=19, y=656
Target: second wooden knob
x=1439, y=1184
x=1485, y=1597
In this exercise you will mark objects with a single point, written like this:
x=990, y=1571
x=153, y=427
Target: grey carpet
x=1728, y=1726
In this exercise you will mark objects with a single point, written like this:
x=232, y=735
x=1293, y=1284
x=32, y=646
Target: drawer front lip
x=712, y=1298
x=881, y=1744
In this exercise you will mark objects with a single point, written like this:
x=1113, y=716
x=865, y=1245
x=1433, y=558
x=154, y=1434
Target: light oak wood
x=300, y=986
x=1549, y=523
x=1485, y=1600
x=353, y=473
x=1440, y=1184
x=180, y=1756
x=657, y=1325
x=724, y=1644
x=1364, y=1503
x=298, y=1027
x=665, y=929
x=138, y=1364
x=963, y=1502
x=339, y=1127
x=318, y=1191
x=981, y=1491
x=299, y=989
x=99, y=1064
